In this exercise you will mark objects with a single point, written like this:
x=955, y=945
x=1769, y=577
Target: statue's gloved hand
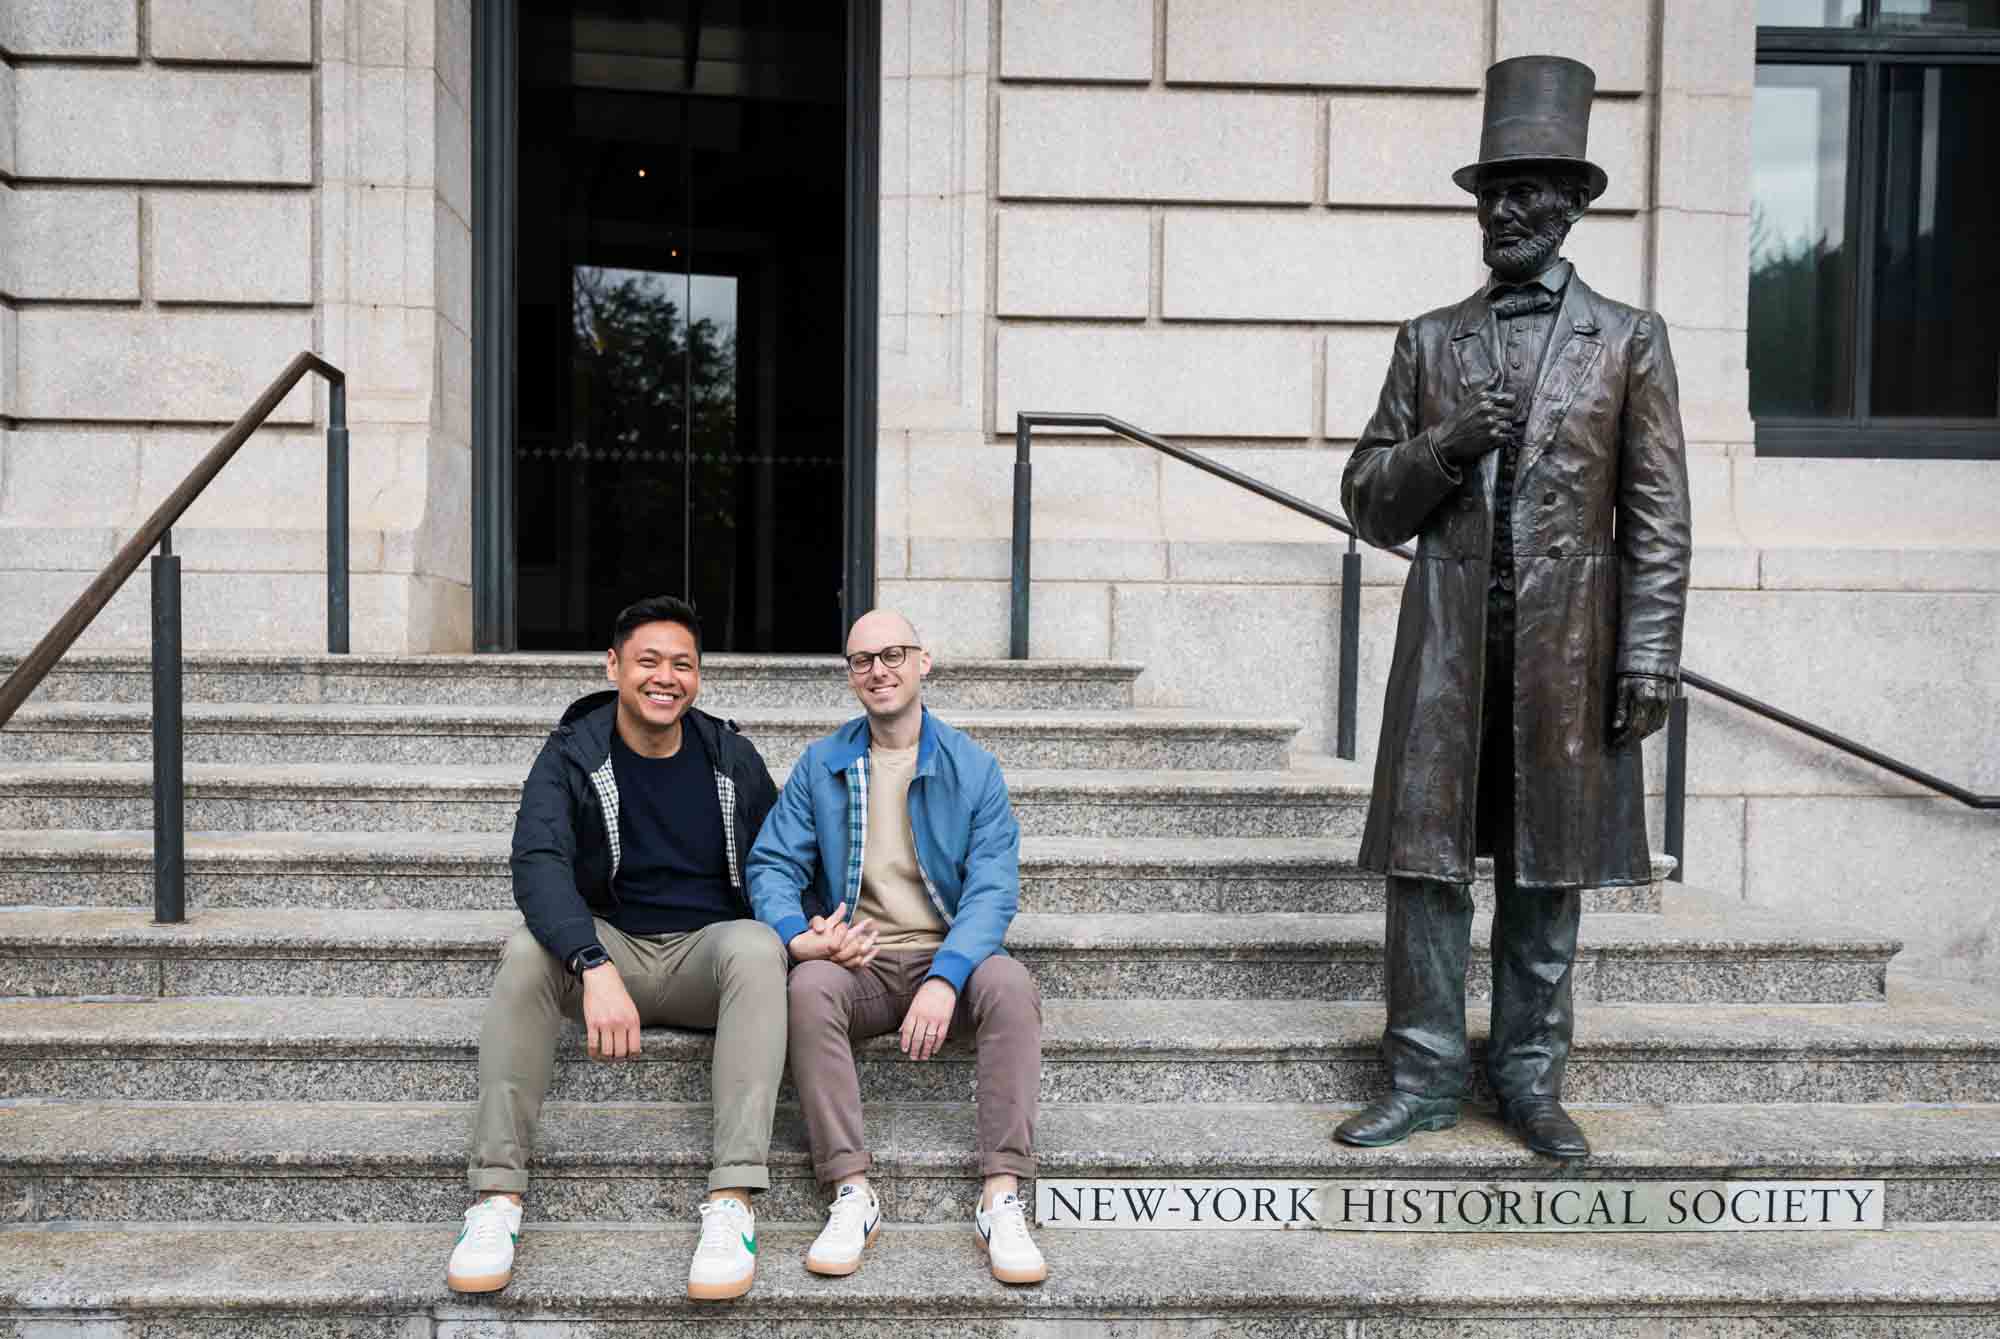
x=1643, y=703
x=1483, y=420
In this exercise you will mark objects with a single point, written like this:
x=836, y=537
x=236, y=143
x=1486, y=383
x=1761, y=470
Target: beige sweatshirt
x=892, y=887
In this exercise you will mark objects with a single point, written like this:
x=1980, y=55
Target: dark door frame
x=495, y=159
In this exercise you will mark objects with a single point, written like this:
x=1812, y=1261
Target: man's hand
x=610, y=1019
x=1483, y=420
x=831, y=938
x=1643, y=703
x=929, y=1019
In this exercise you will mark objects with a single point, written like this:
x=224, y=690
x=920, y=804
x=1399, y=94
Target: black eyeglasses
x=892, y=657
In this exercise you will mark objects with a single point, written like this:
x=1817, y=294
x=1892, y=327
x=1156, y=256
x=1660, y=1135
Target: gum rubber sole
x=722, y=1292
x=841, y=1269
x=478, y=1283
x=1035, y=1275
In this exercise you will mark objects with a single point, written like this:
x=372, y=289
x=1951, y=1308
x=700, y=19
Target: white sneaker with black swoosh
x=1010, y=1251
x=725, y=1259
x=852, y=1221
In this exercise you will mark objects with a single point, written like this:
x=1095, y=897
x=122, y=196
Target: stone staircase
x=255, y=1122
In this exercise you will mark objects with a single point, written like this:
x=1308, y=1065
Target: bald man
x=890, y=870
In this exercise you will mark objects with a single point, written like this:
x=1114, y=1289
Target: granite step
x=511, y=736
x=467, y=871
x=552, y=681
x=648, y=1162
x=1923, y=1281
x=1927, y=1043
x=1702, y=949
x=1329, y=802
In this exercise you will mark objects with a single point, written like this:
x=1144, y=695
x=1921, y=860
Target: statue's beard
x=1531, y=255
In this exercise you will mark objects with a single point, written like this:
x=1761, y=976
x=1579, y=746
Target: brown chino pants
x=832, y=1007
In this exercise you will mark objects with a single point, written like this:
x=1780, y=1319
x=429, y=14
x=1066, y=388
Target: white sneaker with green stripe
x=483, y=1259
x=725, y=1259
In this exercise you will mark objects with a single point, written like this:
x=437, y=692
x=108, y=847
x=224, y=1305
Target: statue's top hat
x=1537, y=113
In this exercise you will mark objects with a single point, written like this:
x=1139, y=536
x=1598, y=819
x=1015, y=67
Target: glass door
x=681, y=215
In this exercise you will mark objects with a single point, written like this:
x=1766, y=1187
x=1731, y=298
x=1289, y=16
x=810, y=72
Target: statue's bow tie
x=1511, y=300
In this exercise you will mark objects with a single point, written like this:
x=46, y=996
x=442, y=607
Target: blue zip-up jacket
x=807, y=860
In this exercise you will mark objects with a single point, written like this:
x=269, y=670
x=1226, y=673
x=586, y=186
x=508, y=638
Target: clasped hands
x=855, y=945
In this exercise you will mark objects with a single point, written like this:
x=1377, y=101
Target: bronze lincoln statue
x=1529, y=439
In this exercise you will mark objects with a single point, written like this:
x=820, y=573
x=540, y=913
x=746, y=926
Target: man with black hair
x=627, y=868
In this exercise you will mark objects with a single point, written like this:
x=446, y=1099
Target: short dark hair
x=655, y=609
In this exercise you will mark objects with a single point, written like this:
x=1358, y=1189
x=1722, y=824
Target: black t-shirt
x=673, y=871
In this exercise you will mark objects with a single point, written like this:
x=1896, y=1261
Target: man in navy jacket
x=627, y=871
x=890, y=870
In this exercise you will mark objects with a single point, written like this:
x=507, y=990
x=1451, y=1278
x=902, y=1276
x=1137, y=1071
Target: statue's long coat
x=1601, y=549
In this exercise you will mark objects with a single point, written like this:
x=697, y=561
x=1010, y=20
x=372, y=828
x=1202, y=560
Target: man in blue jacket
x=890, y=868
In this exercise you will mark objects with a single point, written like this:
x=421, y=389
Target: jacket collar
x=851, y=740
x=1579, y=308
x=1579, y=305
x=1474, y=328
x=590, y=720
x=1553, y=279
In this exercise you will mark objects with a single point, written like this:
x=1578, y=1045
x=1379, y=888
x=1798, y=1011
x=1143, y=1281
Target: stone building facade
x=1204, y=217
x=196, y=190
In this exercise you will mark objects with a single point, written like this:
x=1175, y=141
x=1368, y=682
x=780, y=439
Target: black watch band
x=591, y=955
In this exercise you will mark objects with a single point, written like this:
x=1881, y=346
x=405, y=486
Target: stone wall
x=191, y=191
x=1207, y=216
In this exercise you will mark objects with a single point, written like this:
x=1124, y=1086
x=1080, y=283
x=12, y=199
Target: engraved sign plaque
x=1463, y=1206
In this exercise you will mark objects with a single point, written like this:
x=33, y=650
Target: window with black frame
x=1874, y=273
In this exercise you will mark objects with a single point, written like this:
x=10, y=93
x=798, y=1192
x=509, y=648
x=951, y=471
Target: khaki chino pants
x=832, y=1007
x=729, y=976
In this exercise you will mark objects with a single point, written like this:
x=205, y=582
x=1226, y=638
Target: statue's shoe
x=1394, y=1118
x=1545, y=1127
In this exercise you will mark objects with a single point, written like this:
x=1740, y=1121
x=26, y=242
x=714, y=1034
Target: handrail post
x=169, y=795
x=1677, y=783
x=1024, y=496
x=337, y=619
x=1350, y=650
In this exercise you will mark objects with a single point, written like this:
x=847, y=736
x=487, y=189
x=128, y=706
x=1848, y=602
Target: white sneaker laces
x=721, y=1224
x=849, y=1213
x=486, y=1225
x=1007, y=1218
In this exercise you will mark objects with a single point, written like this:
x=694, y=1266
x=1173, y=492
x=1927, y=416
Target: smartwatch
x=592, y=955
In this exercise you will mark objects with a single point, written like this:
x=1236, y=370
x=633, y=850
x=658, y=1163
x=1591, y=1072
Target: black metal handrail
x=1350, y=627
x=1350, y=566
x=1968, y=798
x=169, y=795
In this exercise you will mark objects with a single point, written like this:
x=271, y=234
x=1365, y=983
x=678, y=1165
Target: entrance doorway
x=684, y=218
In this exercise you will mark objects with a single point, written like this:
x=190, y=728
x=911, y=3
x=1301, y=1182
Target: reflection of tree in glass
x=628, y=346
x=635, y=363
x=1798, y=323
